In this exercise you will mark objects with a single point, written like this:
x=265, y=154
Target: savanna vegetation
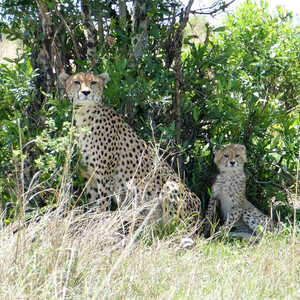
x=186, y=87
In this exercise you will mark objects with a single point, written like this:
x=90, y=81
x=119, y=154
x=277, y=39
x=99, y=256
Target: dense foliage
x=238, y=84
x=253, y=97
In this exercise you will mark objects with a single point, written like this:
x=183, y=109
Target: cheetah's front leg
x=98, y=191
x=232, y=217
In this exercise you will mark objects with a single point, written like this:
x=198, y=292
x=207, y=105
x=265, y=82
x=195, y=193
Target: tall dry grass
x=85, y=257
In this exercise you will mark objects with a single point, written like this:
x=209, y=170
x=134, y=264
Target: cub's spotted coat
x=229, y=191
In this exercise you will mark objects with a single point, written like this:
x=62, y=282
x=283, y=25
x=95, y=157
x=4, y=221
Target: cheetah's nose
x=86, y=92
x=232, y=162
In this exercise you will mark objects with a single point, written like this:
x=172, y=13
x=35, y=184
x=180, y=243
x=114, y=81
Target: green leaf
x=219, y=29
x=196, y=113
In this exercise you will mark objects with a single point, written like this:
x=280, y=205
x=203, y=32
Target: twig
x=213, y=10
x=68, y=29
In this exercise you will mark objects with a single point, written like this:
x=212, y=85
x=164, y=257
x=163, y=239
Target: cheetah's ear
x=218, y=155
x=104, y=77
x=242, y=148
x=62, y=78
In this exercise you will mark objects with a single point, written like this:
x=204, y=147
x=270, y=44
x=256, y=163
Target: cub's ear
x=218, y=156
x=241, y=147
x=62, y=78
x=243, y=150
x=104, y=77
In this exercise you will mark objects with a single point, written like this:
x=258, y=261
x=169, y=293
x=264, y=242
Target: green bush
x=257, y=91
x=241, y=85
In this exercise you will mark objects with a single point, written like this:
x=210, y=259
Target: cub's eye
x=93, y=82
x=76, y=82
x=226, y=155
x=237, y=155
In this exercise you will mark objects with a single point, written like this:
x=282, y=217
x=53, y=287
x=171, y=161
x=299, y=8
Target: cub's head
x=84, y=88
x=231, y=157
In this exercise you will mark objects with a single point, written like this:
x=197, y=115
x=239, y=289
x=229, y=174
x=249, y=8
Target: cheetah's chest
x=97, y=139
x=230, y=191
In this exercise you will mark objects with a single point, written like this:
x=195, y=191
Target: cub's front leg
x=232, y=217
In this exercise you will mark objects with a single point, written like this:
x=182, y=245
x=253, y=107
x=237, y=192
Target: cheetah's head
x=231, y=157
x=84, y=88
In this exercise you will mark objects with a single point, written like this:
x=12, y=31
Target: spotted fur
x=229, y=192
x=119, y=164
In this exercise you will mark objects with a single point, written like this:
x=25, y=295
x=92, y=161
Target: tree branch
x=68, y=29
x=90, y=29
x=213, y=9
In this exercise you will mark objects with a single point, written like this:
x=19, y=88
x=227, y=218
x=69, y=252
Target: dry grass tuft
x=86, y=257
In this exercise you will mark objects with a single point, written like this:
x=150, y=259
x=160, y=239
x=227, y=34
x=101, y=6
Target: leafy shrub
x=253, y=97
x=241, y=85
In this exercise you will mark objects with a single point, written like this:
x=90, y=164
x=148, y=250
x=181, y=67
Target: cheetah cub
x=229, y=192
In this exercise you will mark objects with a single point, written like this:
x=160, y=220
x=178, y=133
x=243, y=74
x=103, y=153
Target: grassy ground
x=84, y=256
x=45, y=261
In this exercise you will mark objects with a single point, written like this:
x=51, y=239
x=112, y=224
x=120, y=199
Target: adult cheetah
x=118, y=162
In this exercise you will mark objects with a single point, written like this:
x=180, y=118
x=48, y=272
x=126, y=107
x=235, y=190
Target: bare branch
x=185, y=16
x=177, y=98
x=90, y=29
x=68, y=29
x=140, y=28
x=213, y=9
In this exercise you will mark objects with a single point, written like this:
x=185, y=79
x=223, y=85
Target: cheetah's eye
x=237, y=155
x=77, y=82
x=226, y=155
x=93, y=82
